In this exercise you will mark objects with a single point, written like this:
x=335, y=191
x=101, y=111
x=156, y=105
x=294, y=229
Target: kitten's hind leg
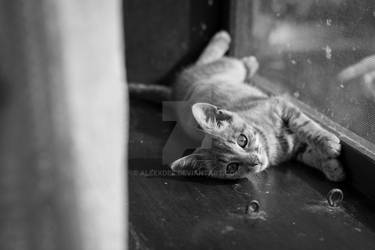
x=331, y=167
x=216, y=48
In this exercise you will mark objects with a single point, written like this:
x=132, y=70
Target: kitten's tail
x=150, y=92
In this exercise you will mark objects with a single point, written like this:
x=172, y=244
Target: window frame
x=358, y=154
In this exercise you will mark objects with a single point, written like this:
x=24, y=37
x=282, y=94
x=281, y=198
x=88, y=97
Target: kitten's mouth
x=260, y=164
x=256, y=168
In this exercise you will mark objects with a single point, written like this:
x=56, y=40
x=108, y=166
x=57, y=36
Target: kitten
x=244, y=131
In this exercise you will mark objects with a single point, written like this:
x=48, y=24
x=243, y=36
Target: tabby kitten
x=244, y=131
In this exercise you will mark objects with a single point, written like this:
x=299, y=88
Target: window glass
x=304, y=45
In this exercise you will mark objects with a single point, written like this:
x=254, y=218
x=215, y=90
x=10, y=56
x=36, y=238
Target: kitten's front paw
x=327, y=144
x=251, y=64
x=333, y=170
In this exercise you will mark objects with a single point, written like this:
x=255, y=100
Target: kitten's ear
x=195, y=164
x=210, y=117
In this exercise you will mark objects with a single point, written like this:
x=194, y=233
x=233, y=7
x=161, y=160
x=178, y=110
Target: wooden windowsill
x=175, y=212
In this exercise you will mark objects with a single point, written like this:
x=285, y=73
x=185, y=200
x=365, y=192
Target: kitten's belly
x=224, y=95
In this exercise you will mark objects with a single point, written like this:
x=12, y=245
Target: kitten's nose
x=254, y=162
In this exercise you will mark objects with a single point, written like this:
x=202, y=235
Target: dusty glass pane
x=304, y=45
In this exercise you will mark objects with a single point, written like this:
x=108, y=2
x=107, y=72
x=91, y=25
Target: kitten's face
x=231, y=148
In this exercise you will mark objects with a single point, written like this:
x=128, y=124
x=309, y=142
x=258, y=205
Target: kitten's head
x=232, y=148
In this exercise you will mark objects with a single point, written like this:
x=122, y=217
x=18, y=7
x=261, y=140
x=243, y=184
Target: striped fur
x=241, y=128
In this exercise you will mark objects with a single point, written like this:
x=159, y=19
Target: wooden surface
x=172, y=212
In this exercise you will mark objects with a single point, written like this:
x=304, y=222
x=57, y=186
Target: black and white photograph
x=187, y=124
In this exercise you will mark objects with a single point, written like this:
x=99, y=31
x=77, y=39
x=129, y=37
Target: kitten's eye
x=232, y=168
x=242, y=140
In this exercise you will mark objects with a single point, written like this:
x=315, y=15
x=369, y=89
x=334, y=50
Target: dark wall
x=164, y=35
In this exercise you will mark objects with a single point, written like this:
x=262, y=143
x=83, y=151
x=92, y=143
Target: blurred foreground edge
x=63, y=125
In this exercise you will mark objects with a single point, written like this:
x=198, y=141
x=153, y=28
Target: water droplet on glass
x=335, y=197
x=203, y=26
x=227, y=229
x=328, y=52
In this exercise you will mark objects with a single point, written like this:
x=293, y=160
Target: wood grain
x=172, y=212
